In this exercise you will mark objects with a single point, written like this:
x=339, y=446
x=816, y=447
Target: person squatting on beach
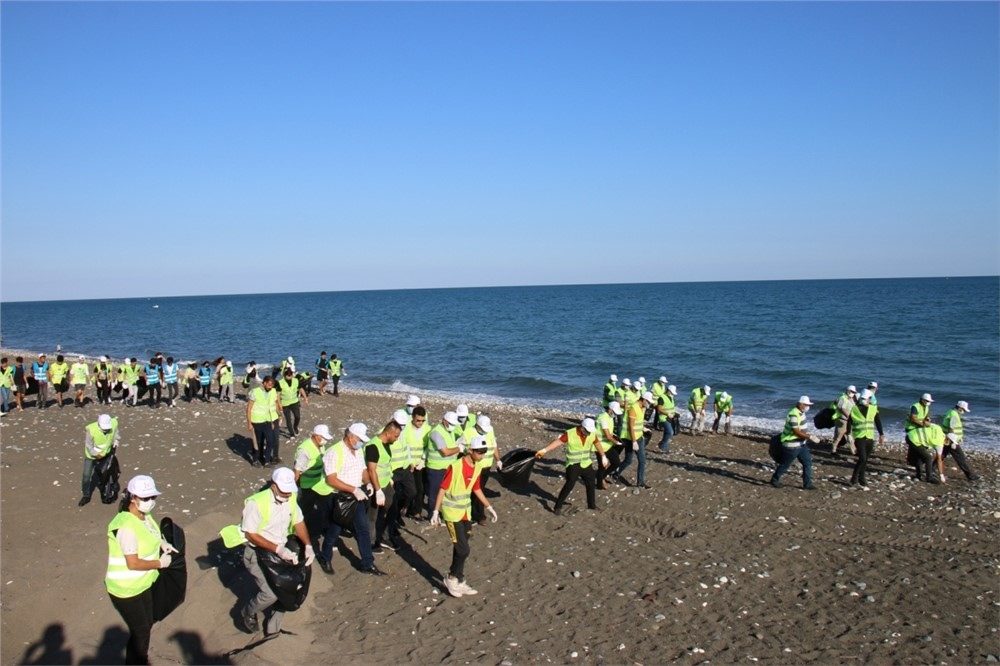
x=263, y=420
x=723, y=404
x=864, y=421
x=920, y=443
x=136, y=551
x=795, y=445
x=696, y=406
x=453, y=505
x=101, y=439
x=580, y=442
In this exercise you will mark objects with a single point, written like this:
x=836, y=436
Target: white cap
x=866, y=395
x=484, y=422
x=723, y=396
x=647, y=396
x=641, y=380
x=413, y=401
x=927, y=397
x=284, y=478
x=142, y=486
x=613, y=378
x=401, y=417
x=588, y=425
x=451, y=417
x=663, y=379
x=103, y=359
x=291, y=360
x=615, y=407
x=626, y=382
x=127, y=359
x=82, y=357
x=952, y=437
x=707, y=389
x=672, y=389
x=478, y=443
x=961, y=404
x=873, y=385
x=323, y=431
x=359, y=430
x=104, y=422
x=804, y=400
x=462, y=410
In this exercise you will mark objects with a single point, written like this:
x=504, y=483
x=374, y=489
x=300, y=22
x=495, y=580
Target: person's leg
x=788, y=456
x=383, y=520
x=478, y=511
x=572, y=474
x=329, y=540
x=4, y=399
x=434, y=479
x=137, y=612
x=265, y=597
x=363, y=537
x=459, y=533
x=262, y=441
x=668, y=432
x=297, y=417
x=589, y=476
x=629, y=454
x=805, y=458
x=715, y=424
x=336, y=384
x=273, y=442
x=640, y=478
x=87, y=480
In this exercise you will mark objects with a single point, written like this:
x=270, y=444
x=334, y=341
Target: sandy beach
x=710, y=564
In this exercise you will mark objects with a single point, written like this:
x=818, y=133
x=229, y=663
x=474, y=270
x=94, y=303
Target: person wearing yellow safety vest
x=795, y=445
x=612, y=447
x=269, y=517
x=954, y=436
x=842, y=425
x=344, y=466
x=101, y=439
x=40, y=371
x=483, y=427
x=314, y=493
x=290, y=391
x=580, y=442
x=923, y=451
x=658, y=389
x=102, y=376
x=444, y=443
x=6, y=384
x=129, y=376
x=80, y=376
x=59, y=376
x=136, y=552
x=336, y=371
x=723, y=404
x=263, y=420
x=610, y=391
x=224, y=371
x=378, y=460
x=636, y=436
x=453, y=506
x=466, y=421
x=408, y=465
x=865, y=420
x=666, y=414
x=696, y=406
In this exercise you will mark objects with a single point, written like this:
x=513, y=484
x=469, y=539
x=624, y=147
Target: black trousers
x=336, y=384
x=922, y=458
x=459, y=533
x=417, y=502
x=589, y=476
x=155, y=393
x=959, y=456
x=406, y=493
x=293, y=415
x=316, y=510
x=614, y=455
x=864, y=447
x=266, y=435
x=137, y=612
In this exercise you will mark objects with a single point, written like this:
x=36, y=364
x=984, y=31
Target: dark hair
x=420, y=410
x=59, y=358
x=126, y=500
x=3, y=360
x=170, y=359
x=19, y=359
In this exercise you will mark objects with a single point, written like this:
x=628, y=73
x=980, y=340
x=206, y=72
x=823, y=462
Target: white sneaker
x=454, y=587
x=465, y=589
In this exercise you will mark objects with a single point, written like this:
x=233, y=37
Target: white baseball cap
x=663, y=379
x=852, y=389
x=81, y=357
x=723, y=395
x=613, y=378
x=484, y=422
x=104, y=422
x=927, y=397
x=961, y=404
x=284, y=478
x=290, y=360
x=672, y=389
x=647, y=396
x=142, y=486
x=323, y=431
x=412, y=401
x=707, y=388
x=359, y=430
x=401, y=417
x=451, y=417
x=588, y=425
x=804, y=400
x=478, y=443
x=873, y=385
x=462, y=410
x=641, y=380
x=626, y=382
x=615, y=407
x=866, y=395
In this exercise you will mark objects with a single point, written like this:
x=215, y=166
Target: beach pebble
x=573, y=654
x=659, y=617
x=927, y=638
x=870, y=599
x=621, y=646
x=576, y=574
x=55, y=483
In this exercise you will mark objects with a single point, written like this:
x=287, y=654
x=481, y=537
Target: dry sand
x=711, y=564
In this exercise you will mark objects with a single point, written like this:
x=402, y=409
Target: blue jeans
x=361, y=535
x=668, y=432
x=4, y=399
x=790, y=455
x=640, y=478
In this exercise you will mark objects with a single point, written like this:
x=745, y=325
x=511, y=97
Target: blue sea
x=765, y=343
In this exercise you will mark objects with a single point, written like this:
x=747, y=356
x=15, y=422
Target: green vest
x=101, y=441
x=225, y=376
x=119, y=580
x=59, y=371
x=263, y=410
x=7, y=377
x=638, y=415
x=234, y=535
x=383, y=468
x=697, y=400
x=952, y=422
x=922, y=413
x=929, y=437
x=79, y=372
x=658, y=389
x=491, y=448
x=131, y=374
x=409, y=448
x=313, y=477
x=578, y=448
x=667, y=402
x=289, y=391
x=434, y=458
x=605, y=421
x=457, y=500
x=794, y=420
x=722, y=406
x=610, y=391
x=335, y=367
x=863, y=425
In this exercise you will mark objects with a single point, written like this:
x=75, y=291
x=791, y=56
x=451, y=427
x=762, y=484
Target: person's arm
x=91, y=447
x=916, y=421
x=551, y=446
x=302, y=533
x=442, y=447
x=130, y=549
x=249, y=411
x=303, y=396
x=371, y=466
x=878, y=426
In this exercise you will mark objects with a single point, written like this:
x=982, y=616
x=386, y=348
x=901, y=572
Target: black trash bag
x=517, y=466
x=342, y=509
x=107, y=475
x=825, y=418
x=775, y=449
x=170, y=587
x=289, y=582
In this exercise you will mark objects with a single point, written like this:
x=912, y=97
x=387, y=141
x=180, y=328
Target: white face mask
x=449, y=427
x=145, y=505
x=805, y=409
x=280, y=499
x=357, y=445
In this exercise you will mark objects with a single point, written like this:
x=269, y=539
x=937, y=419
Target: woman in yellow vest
x=136, y=551
x=454, y=506
x=580, y=442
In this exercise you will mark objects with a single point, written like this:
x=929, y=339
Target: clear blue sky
x=154, y=149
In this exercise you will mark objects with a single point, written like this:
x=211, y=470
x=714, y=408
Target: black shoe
x=327, y=567
x=373, y=570
x=809, y=487
x=276, y=461
x=645, y=486
x=775, y=483
x=557, y=510
x=377, y=549
x=250, y=621
x=256, y=463
x=401, y=522
x=83, y=501
x=974, y=477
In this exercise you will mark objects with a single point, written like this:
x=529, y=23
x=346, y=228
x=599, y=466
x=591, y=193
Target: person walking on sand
x=453, y=505
x=378, y=462
x=153, y=373
x=59, y=376
x=609, y=443
x=444, y=444
x=6, y=384
x=290, y=392
x=696, y=406
x=130, y=380
x=205, y=381
x=20, y=382
x=314, y=493
x=483, y=427
x=865, y=420
x=635, y=439
x=408, y=464
x=40, y=371
x=610, y=391
x=795, y=445
x=580, y=442
x=666, y=413
x=322, y=372
x=263, y=420
x=225, y=375
x=723, y=404
x=136, y=553
x=170, y=379
x=842, y=426
x=101, y=439
x=954, y=436
x=336, y=372
x=80, y=375
x=268, y=518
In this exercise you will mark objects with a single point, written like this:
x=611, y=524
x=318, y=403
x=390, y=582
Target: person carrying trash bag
x=101, y=440
x=269, y=518
x=136, y=554
x=579, y=441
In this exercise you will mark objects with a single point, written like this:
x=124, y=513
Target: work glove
x=165, y=560
x=604, y=461
x=499, y=465
x=310, y=555
x=379, y=497
x=814, y=439
x=286, y=554
x=435, y=519
x=635, y=446
x=360, y=495
x=493, y=513
x=461, y=448
x=166, y=547
x=419, y=466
